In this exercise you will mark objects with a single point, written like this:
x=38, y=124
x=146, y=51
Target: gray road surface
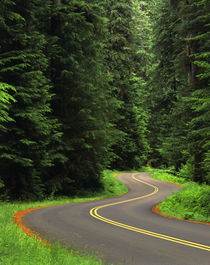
x=127, y=232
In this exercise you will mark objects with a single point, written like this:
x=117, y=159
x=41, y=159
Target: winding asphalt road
x=124, y=230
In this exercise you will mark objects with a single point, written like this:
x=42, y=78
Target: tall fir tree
x=82, y=101
x=5, y=100
x=167, y=86
x=179, y=87
x=199, y=136
x=27, y=146
x=124, y=64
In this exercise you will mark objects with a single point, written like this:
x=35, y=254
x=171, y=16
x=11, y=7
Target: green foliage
x=64, y=112
x=5, y=100
x=165, y=176
x=200, y=124
x=179, y=87
x=186, y=171
x=82, y=102
x=126, y=65
x=112, y=186
x=191, y=203
x=166, y=86
x=199, y=100
x=85, y=85
x=28, y=144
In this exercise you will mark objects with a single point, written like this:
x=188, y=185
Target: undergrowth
x=192, y=202
x=165, y=176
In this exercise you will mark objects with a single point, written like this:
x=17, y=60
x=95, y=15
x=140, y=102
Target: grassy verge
x=190, y=203
x=16, y=248
x=165, y=176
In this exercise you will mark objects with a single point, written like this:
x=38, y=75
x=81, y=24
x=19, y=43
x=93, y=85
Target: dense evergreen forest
x=90, y=85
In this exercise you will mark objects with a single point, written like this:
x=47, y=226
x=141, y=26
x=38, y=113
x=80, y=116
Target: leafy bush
x=163, y=175
x=186, y=171
x=190, y=203
x=112, y=187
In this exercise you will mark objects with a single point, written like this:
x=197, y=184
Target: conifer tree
x=192, y=29
x=5, y=89
x=179, y=87
x=124, y=64
x=27, y=144
x=82, y=101
x=168, y=85
x=199, y=136
x=5, y=100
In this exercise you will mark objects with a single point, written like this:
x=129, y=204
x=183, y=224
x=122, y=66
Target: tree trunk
x=57, y=2
x=192, y=66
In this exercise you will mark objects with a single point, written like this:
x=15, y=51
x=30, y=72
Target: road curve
x=124, y=230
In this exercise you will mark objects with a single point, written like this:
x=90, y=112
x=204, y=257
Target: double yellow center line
x=94, y=213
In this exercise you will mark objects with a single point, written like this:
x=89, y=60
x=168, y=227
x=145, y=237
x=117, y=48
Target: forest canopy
x=91, y=85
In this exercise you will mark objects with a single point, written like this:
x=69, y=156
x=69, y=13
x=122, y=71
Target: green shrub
x=163, y=175
x=190, y=203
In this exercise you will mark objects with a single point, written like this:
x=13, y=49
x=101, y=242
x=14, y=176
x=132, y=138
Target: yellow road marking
x=94, y=213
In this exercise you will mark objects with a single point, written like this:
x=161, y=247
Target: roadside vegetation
x=190, y=203
x=17, y=248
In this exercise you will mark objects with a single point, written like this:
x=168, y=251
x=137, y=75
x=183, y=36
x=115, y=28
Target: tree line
x=87, y=85
x=179, y=87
